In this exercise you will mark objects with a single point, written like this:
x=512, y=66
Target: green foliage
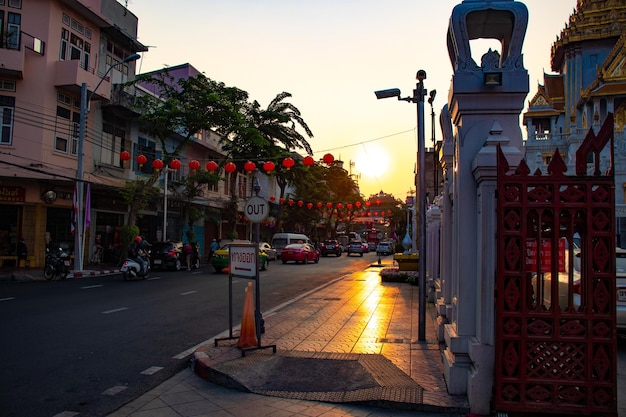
x=395, y=275
x=128, y=233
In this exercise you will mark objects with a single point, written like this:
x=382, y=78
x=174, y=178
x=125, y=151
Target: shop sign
x=546, y=255
x=12, y=194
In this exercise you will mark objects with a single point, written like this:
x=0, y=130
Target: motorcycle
x=57, y=265
x=131, y=269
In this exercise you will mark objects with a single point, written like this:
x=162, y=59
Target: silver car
x=271, y=253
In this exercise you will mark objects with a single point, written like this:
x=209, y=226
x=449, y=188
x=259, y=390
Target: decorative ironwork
x=556, y=338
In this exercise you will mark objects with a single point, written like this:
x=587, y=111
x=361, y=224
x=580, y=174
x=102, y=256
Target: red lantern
x=230, y=167
x=329, y=205
x=339, y=206
x=175, y=164
x=308, y=161
x=349, y=206
x=124, y=155
x=375, y=213
x=269, y=166
x=281, y=200
x=193, y=164
x=211, y=166
x=358, y=204
x=389, y=213
x=291, y=202
x=367, y=203
x=328, y=158
x=288, y=162
x=141, y=159
x=319, y=204
x=300, y=203
x=249, y=166
x=157, y=164
x=272, y=198
x=309, y=205
x=378, y=201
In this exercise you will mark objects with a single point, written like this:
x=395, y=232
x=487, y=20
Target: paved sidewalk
x=347, y=349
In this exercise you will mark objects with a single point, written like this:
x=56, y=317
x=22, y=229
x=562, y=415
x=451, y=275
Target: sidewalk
x=347, y=349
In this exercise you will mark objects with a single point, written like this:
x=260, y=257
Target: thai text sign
x=12, y=194
x=545, y=255
x=243, y=260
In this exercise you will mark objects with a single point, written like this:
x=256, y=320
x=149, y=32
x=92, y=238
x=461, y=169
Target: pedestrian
x=212, y=248
x=22, y=252
x=188, y=251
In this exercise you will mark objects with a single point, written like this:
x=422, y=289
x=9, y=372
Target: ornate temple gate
x=556, y=338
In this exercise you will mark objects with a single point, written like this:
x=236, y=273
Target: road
x=90, y=345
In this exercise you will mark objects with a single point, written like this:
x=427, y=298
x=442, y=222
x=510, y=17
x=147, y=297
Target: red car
x=300, y=252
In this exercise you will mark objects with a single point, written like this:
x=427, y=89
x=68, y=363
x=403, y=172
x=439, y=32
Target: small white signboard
x=243, y=260
x=257, y=209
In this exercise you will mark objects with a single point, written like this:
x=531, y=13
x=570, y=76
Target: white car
x=271, y=253
x=384, y=248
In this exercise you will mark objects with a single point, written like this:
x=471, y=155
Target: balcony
x=70, y=75
x=12, y=65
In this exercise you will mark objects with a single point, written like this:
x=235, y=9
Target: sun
x=372, y=161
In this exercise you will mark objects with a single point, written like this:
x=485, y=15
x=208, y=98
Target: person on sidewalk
x=188, y=251
x=212, y=248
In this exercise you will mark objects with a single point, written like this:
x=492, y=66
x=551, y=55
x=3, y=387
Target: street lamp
x=85, y=100
x=431, y=99
x=418, y=98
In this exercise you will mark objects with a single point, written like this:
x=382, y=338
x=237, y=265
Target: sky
x=331, y=55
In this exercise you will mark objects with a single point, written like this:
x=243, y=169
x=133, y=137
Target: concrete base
x=480, y=378
x=456, y=361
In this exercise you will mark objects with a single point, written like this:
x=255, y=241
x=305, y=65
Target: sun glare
x=372, y=161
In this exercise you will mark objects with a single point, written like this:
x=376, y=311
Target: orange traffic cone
x=247, y=334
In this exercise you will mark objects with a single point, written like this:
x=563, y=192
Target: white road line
x=88, y=287
x=7, y=299
x=188, y=292
x=114, y=390
x=152, y=370
x=153, y=279
x=115, y=310
x=66, y=414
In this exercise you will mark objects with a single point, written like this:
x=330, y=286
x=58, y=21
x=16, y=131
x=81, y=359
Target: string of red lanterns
x=212, y=166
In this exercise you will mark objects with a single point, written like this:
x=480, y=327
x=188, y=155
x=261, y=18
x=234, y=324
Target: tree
x=179, y=110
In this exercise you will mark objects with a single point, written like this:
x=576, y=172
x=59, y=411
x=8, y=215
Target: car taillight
x=171, y=253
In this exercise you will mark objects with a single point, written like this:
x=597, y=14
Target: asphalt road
x=91, y=345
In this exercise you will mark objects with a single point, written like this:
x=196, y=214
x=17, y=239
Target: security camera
x=421, y=75
x=392, y=92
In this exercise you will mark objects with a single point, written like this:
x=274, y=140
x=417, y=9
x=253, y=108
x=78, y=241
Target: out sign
x=256, y=210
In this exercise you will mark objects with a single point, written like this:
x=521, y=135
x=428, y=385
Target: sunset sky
x=331, y=55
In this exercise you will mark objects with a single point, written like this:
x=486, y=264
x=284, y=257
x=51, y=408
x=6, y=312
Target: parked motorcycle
x=57, y=264
x=131, y=269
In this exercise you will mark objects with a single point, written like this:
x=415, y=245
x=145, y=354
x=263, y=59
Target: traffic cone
x=247, y=334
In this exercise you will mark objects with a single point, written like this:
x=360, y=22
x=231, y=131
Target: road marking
x=7, y=299
x=153, y=279
x=114, y=390
x=115, y=310
x=66, y=414
x=188, y=292
x=152, y=370
x=91, y=286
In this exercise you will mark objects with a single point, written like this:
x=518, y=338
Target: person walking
x=188, y=251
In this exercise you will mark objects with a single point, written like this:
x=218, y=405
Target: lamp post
x=418, y=97
x=431, y=99
x=85, y=99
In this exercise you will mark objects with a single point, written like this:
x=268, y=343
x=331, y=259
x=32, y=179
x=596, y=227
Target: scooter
x=131, y=269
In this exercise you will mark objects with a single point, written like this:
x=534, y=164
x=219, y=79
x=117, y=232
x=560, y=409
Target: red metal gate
x=555, y=305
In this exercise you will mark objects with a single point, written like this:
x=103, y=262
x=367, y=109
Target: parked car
x=371, y=246
x=330, y=246
x=166, y=255
x=366, y=247
x=272, y=254
x=221, y=257
x=384, y=248
x=300, y=252
x=355, y=246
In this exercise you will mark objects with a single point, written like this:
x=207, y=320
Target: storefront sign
x=12, y=194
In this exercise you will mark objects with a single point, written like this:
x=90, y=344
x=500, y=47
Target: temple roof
x=591, y=20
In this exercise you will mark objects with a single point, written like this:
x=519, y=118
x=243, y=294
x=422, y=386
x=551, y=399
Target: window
x=67, y=127
x=65, y=38
x=111, y=146
x=146, y=148
x=17, y=4
x=6, y=85
x=242, y=185
x=73, y=46
x=7, y=112
x=13, y=30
